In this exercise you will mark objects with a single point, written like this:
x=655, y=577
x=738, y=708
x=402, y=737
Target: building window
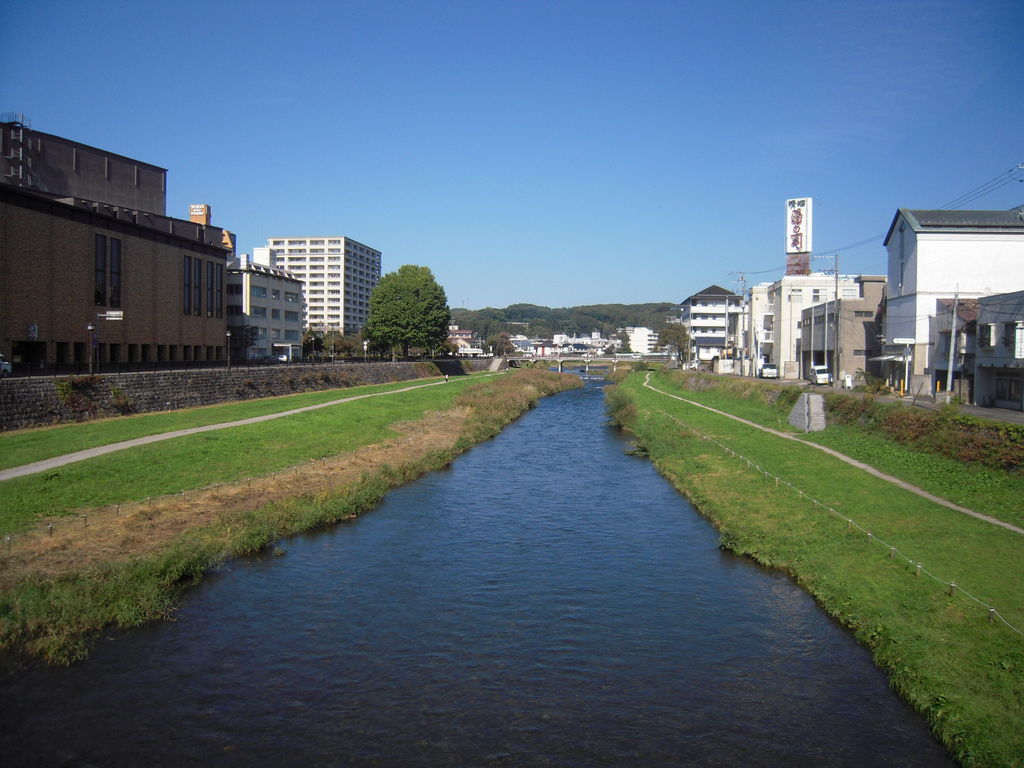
x=197, y=286
x=292, y=298
x=211, y=288
x=220, y=290
x=292, y=317
x=101, y=270
x=275, y=294
x=186, y=285
x=258, y=292
x=275, y=314
x=258, y=311
x=115, y=272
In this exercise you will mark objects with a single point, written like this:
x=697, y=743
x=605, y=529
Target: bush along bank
x=943, y=655
x=57, y=618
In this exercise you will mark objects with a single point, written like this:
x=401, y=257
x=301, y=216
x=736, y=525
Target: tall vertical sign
x=799, y=216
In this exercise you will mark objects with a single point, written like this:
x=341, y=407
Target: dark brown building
x=126, y=284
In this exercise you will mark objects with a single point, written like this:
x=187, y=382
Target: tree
x=242, y=339
x=675, y=335
x=501, y=344
x=408, y=309
x=623, y=339
x=312, y=342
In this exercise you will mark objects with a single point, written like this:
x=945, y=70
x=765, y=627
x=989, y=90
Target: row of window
x=192, y=287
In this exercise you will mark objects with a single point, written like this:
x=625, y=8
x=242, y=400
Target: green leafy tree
x=501, y=344
x=312, y=342
x=676, y=337
x=623, y=339
x=408, y=308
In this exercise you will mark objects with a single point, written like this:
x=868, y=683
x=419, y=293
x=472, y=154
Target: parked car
x=5, y=367
x=819, y=374
x=769, y=371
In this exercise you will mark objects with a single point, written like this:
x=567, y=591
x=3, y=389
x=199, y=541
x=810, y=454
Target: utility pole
x=952, y=344
x=838, y=318
x=740, y=334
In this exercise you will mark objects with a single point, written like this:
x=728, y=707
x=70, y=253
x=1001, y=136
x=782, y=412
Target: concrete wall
x=44, y=401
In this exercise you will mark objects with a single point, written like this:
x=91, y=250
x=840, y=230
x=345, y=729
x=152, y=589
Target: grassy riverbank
x=943, y=655
x=127, y=567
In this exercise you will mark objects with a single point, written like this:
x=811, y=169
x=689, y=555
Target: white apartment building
x=641, y=340
x=268, y=299
x=936, y=255
x=712, y=318
x=337, y=273
x=776, y=313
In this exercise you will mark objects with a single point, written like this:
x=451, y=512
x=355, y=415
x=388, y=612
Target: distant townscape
x=98, y=276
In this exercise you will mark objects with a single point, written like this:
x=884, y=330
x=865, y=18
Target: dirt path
x=126, y=531
x=843, y=457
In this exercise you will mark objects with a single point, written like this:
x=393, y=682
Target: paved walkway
x=843, y=457
x=100, y=450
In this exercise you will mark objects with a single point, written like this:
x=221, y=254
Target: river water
x=546, y=601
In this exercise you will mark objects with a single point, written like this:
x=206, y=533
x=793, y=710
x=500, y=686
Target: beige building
x=338, y=275
x=844, y=334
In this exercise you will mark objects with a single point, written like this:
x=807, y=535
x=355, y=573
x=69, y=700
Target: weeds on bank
x=942, y=654
x=57, y=619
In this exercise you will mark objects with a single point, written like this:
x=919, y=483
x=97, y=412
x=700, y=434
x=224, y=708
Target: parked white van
x=819, y=374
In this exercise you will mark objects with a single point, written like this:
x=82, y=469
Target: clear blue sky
x=558, y=153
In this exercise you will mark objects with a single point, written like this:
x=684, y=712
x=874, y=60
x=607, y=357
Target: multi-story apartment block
x=712, y=318
x=270, y=301
x=338, y=275
x=641, y=340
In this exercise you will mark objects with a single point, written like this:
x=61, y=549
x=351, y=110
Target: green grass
x=960, y=671
x=990, y=491
x=221, y=456
x=27, y=446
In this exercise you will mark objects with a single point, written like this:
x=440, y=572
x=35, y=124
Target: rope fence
x=894, y=552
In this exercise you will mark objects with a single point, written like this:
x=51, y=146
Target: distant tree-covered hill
x=536, y=321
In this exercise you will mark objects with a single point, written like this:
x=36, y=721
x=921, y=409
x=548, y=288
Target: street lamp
x=365, y=345
x=227, y=334
x=92, y=344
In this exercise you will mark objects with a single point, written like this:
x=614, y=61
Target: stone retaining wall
x=34, y=402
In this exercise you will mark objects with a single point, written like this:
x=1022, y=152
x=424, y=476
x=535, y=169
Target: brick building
x=69, y=265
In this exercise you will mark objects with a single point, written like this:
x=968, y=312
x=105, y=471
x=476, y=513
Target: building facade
x=84, y=285
x=268, y=300
x=712, y=317
x=999, y=354
x=338, y=275
x=844, y=334
x=58, y=167
x=778, y=313
x=936, y=255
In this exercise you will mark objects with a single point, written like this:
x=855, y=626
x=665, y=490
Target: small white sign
x=903, y=341
x=113, y=314
x=1018, y=345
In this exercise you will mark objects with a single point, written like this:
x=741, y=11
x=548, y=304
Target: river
x=546, y=601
